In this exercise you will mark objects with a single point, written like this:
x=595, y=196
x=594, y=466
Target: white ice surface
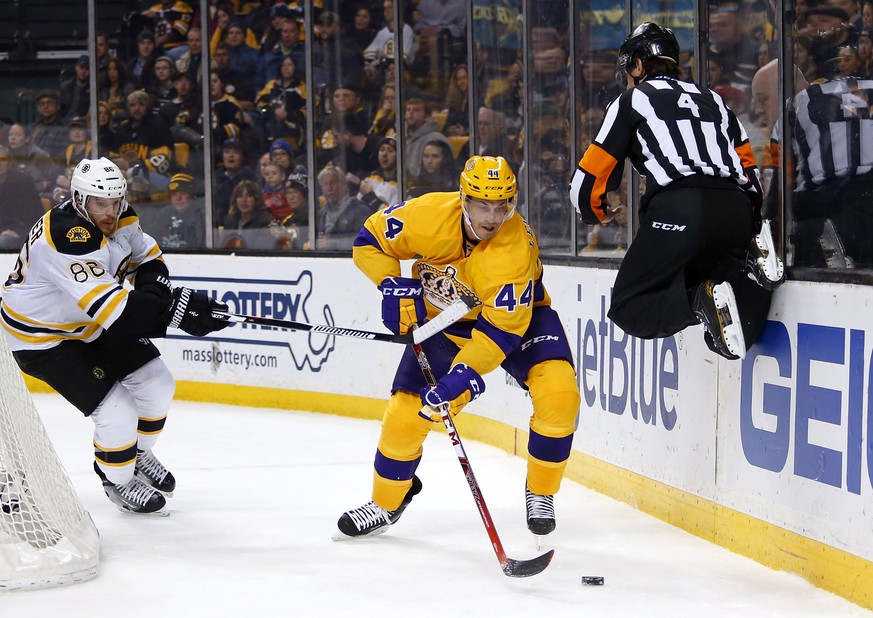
x=257, y=499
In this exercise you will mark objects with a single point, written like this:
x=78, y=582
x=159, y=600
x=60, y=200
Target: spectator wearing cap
x=341, y=215
x=49, y=132
x=282, y=104
x=75, y=92
x=20, y=205
x=163, y=88
x=279, y=12
x=379, y=188
x=292, y=231
x=139, y=68
x=354, y=152
x=297, y=196
x=336, y=58
x=243, y=58
x=79, y=148
x=290, y=43
x=830, y=29
x=232, y=171
x=181, y=224
x=248, y=220
x=143, y=139
x=171, y=21
x=282, y=154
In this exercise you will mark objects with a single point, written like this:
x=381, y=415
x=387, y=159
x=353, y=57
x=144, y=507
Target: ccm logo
x=402, y=292
x=667, y=227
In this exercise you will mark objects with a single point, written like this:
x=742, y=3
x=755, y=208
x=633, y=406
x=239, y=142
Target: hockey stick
x=446, y=317
x=510, y=566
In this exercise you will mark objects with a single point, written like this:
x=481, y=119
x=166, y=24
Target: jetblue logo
x=626, y=375
x=668, y=227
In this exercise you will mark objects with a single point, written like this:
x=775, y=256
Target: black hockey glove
x=159, y=285
x=192, y=312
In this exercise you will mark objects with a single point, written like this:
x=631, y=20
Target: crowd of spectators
x=151, y=113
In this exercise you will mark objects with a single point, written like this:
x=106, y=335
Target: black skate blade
x=528, y=568
x=161, y=512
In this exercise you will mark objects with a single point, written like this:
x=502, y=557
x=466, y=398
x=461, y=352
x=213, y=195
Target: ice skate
x=716, y=306
x=540, y=513
x=371, y=519
x=153, y=473
x=134, y=496
x=762, y=262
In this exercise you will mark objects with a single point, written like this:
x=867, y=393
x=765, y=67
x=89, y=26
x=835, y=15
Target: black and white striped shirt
x=672, y=131
x=833, y=131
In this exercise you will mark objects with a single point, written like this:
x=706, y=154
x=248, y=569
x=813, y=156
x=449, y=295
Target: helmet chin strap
x=468, y=222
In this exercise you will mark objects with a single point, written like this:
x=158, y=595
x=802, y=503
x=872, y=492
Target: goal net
x=46, y=536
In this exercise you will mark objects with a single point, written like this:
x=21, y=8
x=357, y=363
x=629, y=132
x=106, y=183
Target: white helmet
x=97, y=178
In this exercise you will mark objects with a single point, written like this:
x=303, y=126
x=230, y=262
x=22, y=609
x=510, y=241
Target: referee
x=700, y=216
x=832, y=142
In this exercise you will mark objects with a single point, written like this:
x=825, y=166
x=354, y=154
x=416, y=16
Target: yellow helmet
x=488, y=178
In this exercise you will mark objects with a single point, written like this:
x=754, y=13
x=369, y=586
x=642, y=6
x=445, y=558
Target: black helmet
x=647, y=41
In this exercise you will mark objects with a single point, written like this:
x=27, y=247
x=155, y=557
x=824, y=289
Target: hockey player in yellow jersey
x=72, y=323
x=468, y=243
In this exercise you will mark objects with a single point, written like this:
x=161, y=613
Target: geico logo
x=539, y=339
x=403, y=292
x=668, y=227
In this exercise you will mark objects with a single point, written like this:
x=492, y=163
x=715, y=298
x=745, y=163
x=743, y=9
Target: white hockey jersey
x=68, y=280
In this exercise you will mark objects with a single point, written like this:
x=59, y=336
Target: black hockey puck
x=592, y=580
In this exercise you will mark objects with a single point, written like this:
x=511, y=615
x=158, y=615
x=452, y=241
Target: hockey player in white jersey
x=71, y=322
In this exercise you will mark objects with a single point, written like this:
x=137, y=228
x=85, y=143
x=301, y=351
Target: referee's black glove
x=191, y=312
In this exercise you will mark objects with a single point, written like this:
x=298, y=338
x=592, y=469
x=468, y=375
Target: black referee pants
x=686, y=236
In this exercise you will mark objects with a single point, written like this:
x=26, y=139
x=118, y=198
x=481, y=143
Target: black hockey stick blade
x=528, y=568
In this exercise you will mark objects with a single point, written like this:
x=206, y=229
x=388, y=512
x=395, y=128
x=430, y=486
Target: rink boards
x=769, y=457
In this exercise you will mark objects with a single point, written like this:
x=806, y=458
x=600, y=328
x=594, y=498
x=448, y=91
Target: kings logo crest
x=441, y=287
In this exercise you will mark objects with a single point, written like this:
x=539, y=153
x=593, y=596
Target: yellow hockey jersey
x=503, y=274
x=68, y=280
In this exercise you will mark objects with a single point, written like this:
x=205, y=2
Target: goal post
x=46, y=536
